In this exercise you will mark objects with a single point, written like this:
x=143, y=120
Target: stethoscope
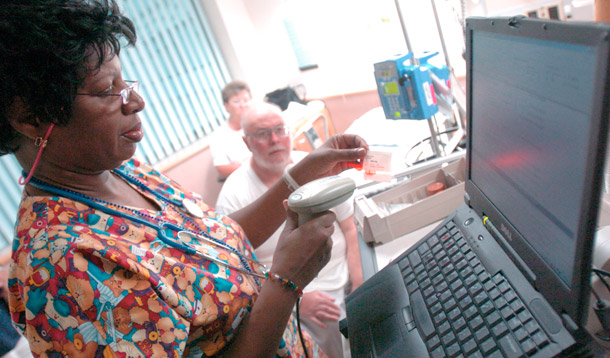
x=162, y=228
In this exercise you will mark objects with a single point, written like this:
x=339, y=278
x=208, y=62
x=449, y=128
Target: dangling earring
x=39, y=142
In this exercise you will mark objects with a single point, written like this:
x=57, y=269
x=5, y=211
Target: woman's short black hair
x=44, y=52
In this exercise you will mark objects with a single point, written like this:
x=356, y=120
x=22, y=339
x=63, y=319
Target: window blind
x=181, y=71
x=10, y=192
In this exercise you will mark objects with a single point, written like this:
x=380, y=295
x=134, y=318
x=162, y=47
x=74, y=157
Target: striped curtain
x=181, y=73
x=10, y=193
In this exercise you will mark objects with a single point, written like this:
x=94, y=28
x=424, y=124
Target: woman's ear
x=22, y=120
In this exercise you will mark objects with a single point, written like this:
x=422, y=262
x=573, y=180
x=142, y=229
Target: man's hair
x=233, y=88
x=45, y=47
x=258, y=109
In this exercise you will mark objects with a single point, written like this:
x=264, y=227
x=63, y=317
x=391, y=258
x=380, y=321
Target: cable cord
x=299, y=328
x=601, y=273
x=602, y=309
x=428, y=139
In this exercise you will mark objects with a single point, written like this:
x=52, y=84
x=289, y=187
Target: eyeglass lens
x=265, y=134
x=127, y=91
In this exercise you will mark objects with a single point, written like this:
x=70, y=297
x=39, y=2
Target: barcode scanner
x=320, y=195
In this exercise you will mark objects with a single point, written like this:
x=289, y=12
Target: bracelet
x=289, y=180
x=291, y=285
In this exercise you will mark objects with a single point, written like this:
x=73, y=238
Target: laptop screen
x=536, y=108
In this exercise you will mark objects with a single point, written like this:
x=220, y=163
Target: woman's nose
x=135, y=104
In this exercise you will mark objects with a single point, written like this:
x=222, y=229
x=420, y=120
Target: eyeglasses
x=125, y=92
x=265, y=134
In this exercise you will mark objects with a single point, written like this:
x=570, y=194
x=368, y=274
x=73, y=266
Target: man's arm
x=225, y=170
x=262, y=217
x=353, y=252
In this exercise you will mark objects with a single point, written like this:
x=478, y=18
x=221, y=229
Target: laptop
x=507, y=274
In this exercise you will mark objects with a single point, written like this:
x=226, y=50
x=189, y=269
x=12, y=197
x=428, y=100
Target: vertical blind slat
x=195, y=97
x=150, y=51
x=146, y=71
x=10, y=191
x=166, y=55
x=211, y=105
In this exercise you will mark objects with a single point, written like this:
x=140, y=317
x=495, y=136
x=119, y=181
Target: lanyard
x=162, y=228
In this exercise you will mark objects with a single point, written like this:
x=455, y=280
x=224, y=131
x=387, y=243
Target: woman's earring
x=40, y=142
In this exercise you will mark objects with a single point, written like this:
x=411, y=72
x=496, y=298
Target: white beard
x=276, y=167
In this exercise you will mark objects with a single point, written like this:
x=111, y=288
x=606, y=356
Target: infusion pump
x=406, y=90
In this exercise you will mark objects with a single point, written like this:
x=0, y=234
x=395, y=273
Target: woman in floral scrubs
x=99, y=267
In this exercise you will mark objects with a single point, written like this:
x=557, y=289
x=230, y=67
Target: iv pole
x=433, y=134
x=439, y=28
x=431, y=124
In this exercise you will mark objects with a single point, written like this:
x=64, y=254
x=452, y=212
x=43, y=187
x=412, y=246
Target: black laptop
x=507, y=274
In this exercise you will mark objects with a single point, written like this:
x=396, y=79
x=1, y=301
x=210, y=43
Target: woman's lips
x=135, y=134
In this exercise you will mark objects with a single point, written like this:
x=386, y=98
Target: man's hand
x=319, y=307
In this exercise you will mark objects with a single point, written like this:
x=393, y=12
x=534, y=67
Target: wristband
x=287, y=283
x=289, y=180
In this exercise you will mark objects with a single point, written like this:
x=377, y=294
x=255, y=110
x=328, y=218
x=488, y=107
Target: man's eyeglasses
x=265, y=134
x=125, y=92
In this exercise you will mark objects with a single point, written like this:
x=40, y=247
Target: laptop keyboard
x=462, y=311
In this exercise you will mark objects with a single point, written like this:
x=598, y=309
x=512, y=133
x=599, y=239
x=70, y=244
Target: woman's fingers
x=303, y=251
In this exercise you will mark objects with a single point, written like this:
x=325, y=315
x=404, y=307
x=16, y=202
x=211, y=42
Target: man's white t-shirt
x=243, y=186
x=227, y=146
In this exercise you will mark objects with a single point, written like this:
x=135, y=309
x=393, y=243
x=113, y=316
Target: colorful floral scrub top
x=88, y=284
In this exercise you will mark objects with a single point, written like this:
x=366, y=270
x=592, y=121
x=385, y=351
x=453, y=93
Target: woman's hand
x=318, y=307
x=303, y=251
x=338, y=153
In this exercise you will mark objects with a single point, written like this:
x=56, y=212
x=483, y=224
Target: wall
x=197, y=174
x=345, y=109
x=602, y=10
x=344, y=42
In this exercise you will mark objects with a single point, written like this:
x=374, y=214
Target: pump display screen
x=390, y=88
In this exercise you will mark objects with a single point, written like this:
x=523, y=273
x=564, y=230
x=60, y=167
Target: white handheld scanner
x=320, y=195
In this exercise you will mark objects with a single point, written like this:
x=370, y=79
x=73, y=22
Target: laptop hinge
x=569, y=323
x=467, y=199
x=529, y=274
